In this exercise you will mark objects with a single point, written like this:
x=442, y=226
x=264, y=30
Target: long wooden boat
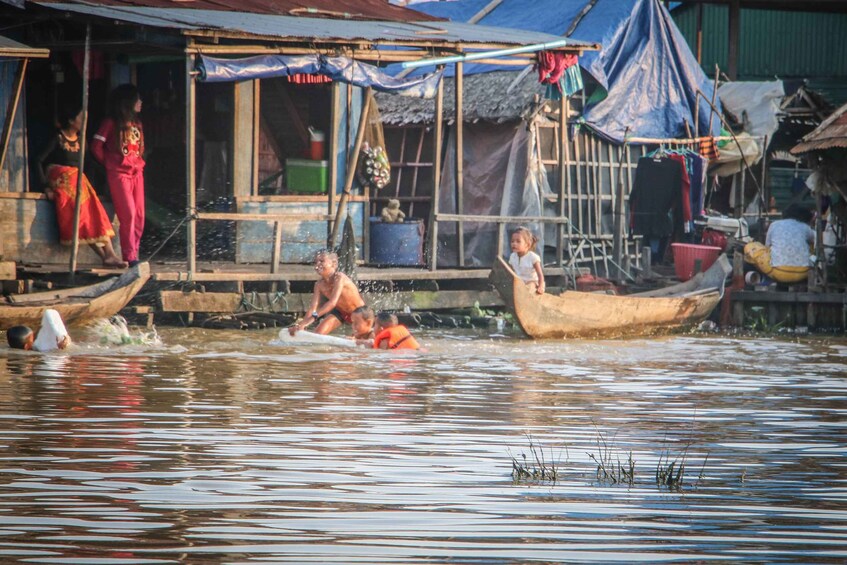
x=76, y=305
x=588, y=314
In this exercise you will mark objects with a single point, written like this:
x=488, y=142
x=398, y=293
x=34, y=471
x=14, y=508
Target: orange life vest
x=398, y=338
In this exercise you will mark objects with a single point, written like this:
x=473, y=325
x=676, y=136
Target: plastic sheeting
x=647, y=74
x=729, y=161
x=341, y=69
x=755, y=104
x=502, y=176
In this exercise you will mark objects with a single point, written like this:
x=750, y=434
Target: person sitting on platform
x=785, y=257
x=341, y=297
x=392, y=335
x=524, y=261
x=59, y=169
x=362, y=320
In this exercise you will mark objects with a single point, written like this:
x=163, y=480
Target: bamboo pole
x=352, y=160
x=190, y=166
x=81, y=137
x=618, y=192
x=563, y=142
x=459, y=165
x=436, y=175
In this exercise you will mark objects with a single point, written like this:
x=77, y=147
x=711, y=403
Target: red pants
x=128, y=197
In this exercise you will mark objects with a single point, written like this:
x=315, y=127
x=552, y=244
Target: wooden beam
x=81, y=166
x=241, y=148
x=257, y=124
x=232, y=302
x=734, y=38
x=259, y=217
x=459, y=170
x=190, y=165
x=11, y=110
x=352, y=161
x=436, y=174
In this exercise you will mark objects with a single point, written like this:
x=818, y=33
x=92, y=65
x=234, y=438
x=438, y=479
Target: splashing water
x=115, y=331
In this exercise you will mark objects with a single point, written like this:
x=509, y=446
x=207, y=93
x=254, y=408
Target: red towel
x=552, y=65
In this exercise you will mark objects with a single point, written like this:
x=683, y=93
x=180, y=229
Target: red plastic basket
x=686, y=254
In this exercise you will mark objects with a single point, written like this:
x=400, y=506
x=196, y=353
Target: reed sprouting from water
x=610, y=467
x=671, y=473
x=538, y=467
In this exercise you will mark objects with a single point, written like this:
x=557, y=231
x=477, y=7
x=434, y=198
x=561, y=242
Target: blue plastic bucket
x=397, y=244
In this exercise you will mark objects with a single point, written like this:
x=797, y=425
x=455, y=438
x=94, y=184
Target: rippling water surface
x=219, y=447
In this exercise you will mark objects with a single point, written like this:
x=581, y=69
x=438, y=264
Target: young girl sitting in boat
x=524, y=261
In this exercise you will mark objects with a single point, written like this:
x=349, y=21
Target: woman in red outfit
x=119, y=146
x=59, y=169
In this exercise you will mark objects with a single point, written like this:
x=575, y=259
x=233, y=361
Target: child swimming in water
x=392, y=335
x=52, y=334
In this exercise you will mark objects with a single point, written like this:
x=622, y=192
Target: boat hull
x=76, y=306
x=592, y=315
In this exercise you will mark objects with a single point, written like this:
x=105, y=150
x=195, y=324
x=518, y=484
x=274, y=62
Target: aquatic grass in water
x=610, y=468
x=537, y=467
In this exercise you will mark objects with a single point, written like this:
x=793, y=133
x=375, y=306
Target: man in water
x=341, y=297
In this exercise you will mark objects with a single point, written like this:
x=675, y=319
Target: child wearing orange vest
x=391, y=335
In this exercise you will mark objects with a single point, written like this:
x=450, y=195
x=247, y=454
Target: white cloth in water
x=52, y=332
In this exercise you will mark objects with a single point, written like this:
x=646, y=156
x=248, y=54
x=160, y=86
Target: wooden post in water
x=81, y=137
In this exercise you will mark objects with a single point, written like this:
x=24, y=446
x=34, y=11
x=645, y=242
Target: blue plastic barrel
x=397, y=244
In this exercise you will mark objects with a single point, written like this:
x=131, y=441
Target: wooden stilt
x=82, y=134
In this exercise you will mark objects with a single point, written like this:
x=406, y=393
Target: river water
x=220, y=447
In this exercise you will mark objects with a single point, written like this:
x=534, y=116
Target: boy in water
x=391, y=335
x=52, y=335
x=362, y=320
x=341, y=297
x=20, y=337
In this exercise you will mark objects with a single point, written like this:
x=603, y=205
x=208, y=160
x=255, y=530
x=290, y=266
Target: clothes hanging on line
x=657, y=192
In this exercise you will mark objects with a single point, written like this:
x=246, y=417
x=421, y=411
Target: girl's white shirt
x=524, y=266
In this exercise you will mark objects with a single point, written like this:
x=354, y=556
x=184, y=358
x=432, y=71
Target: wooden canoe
x=587, y=314
x=77, y=305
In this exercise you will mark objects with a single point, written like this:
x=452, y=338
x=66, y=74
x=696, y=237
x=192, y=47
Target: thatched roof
x=831, y=133
x=485, y=98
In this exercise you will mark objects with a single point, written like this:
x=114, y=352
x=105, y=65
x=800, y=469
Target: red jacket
x=119, y=150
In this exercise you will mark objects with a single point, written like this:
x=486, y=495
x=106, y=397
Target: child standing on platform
x=524, y=261
x=119, y=146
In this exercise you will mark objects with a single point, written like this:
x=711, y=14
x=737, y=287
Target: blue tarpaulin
x=648, y=78
x=341, y=69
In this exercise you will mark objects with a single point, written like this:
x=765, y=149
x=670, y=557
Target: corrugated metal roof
x=831, y=133
x=11, y=48
x=313, y=29
x=355, y=9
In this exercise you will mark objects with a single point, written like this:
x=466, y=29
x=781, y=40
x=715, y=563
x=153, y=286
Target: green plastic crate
x=304, y=176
